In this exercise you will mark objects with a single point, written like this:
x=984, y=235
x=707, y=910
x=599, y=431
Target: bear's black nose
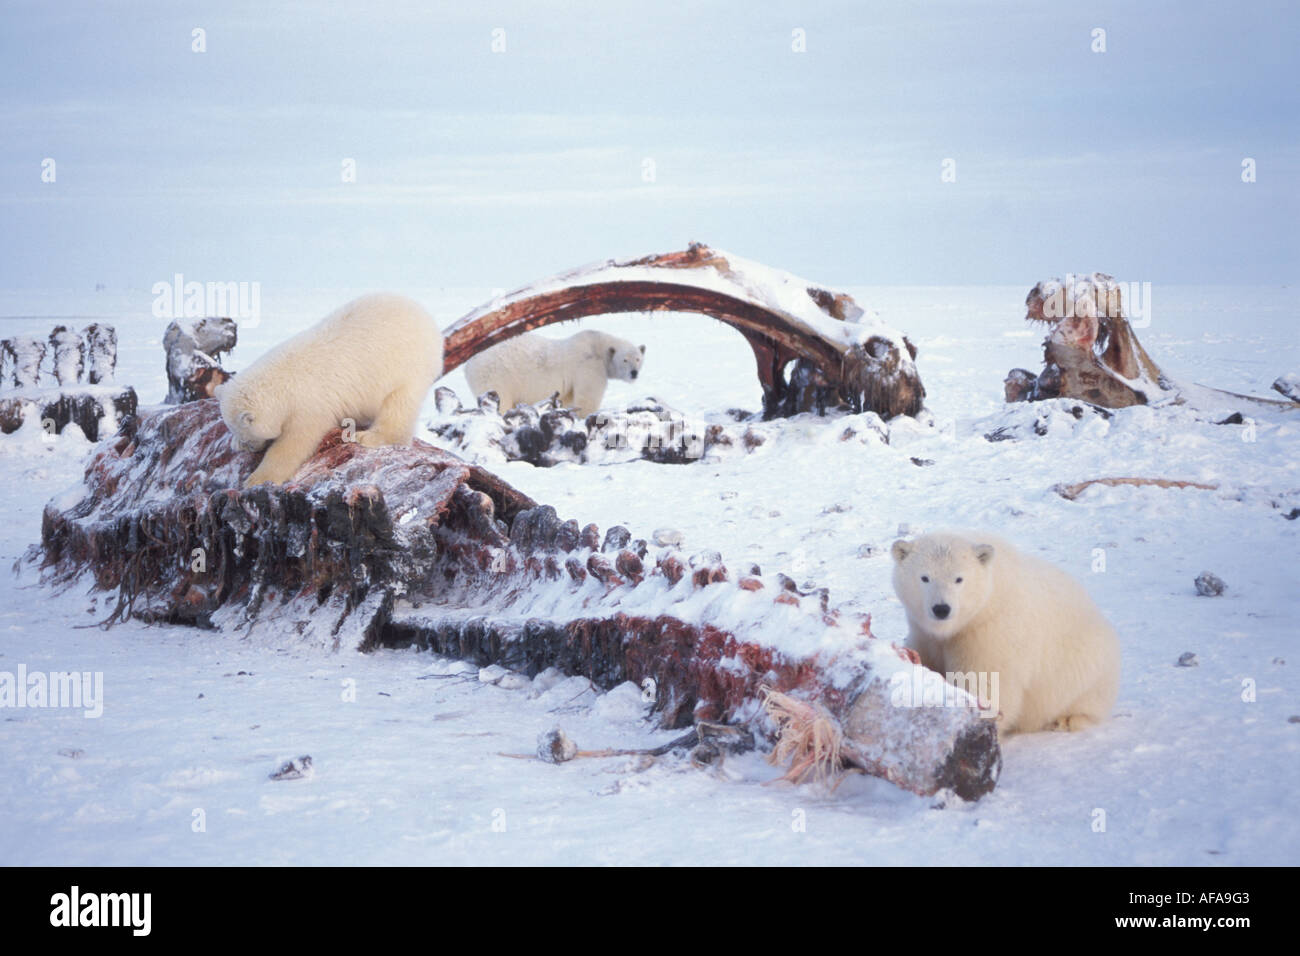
x=633, y=373
x=941, y=611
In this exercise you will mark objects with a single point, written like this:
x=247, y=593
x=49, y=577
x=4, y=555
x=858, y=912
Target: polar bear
x=977, y=605
x=370, y=363
x=532, y=368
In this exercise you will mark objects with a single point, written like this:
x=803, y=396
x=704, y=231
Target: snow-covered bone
x=1092, y=353
x=95, y=408
x=410, y=545
x=68, y=355
x=24, y=353
x=546, y=434
x=194, y=349
x=101, y=353
x=842, y=353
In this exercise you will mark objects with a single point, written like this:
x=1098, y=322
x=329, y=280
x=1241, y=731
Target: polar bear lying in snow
x=370, y=363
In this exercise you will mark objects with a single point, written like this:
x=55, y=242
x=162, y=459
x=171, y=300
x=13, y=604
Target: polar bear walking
x=977, y=605
x=532, y=368
x=370, y=363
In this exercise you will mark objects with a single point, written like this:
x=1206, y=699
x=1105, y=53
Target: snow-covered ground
x=1199, y=765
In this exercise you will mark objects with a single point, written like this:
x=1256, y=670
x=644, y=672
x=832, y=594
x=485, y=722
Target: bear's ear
x=643, y=350
x=901, y=549
x=984, y=553
x=245, y=418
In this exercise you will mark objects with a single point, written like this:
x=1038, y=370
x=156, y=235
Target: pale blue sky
x=493, y=169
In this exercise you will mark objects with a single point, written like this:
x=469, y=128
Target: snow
x=1199, y=764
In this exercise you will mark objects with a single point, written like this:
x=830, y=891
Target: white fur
x=1056, y=657
x=532, y=368
x=371, y=362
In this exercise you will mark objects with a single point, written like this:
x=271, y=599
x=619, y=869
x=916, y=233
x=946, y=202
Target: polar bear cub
x=976, y=604
x=532, y=368
x=370, y=363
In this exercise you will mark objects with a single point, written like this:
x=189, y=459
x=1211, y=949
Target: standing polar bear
x=976, y=605
x=532, y=368
x=369, y=363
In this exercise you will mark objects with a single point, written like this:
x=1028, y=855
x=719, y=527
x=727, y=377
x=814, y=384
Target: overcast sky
x=485, y=168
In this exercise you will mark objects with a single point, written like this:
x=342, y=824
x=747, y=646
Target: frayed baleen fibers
x=808, y=738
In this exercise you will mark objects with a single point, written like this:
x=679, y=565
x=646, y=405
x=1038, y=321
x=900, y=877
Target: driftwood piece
x=194, y=349
x=1092, y=353
x=1073, y=491
x=410, y=545
x=838, y=351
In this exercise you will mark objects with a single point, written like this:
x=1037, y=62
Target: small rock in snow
x=868, y=551
x=554, y=746
x=296, y=769
x=705, y=754
x=1289, y=385
x=492, y=674
x=1187, y=659
x=1209, y=585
